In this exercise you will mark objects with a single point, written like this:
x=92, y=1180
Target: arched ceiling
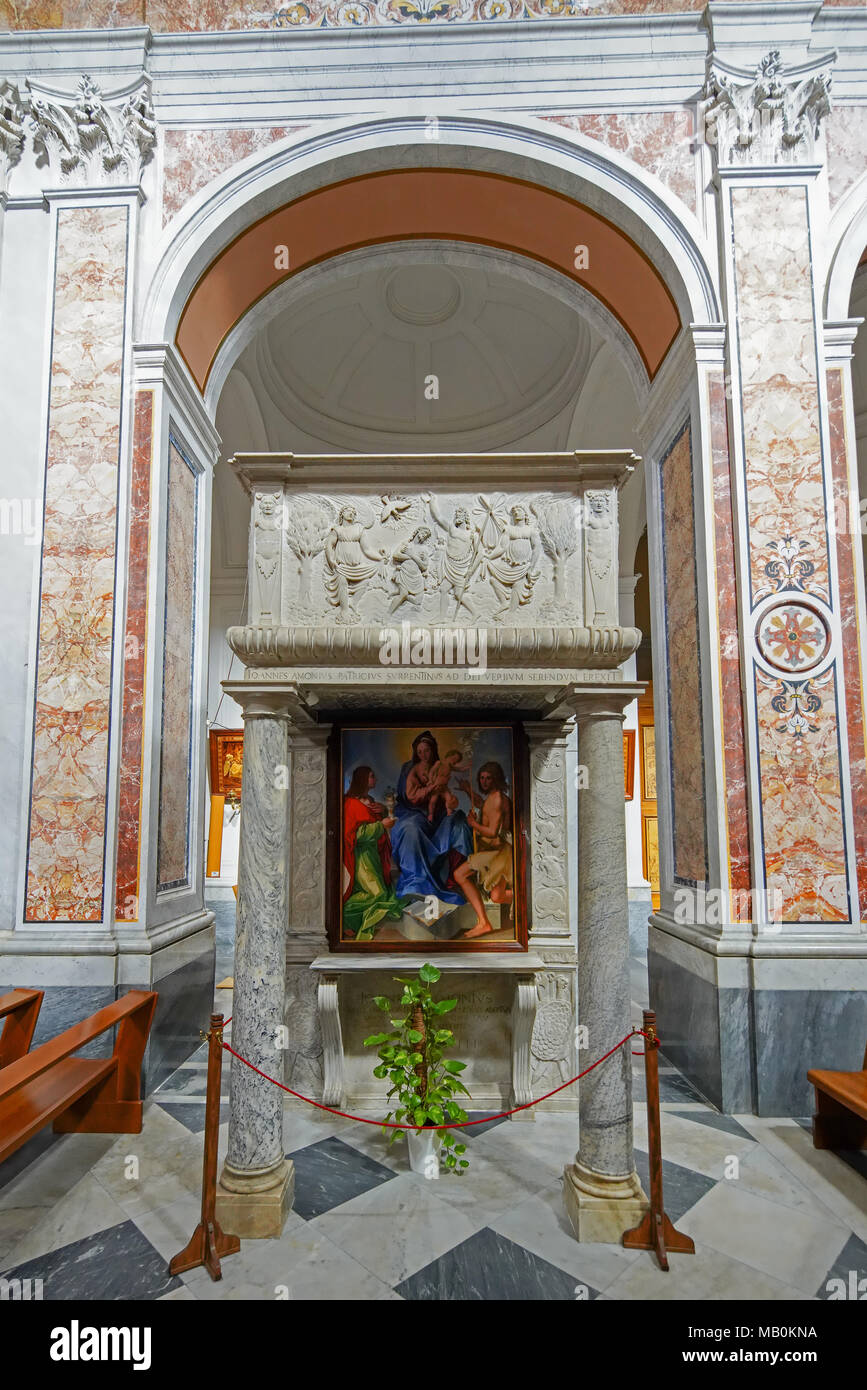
x=430, y=204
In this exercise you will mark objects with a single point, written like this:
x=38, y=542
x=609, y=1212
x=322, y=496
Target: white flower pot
x=424, y=1151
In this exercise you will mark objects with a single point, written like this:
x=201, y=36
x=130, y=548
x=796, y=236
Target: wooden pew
x=840, y=1121
x=81, y=1095
x=20, y=1008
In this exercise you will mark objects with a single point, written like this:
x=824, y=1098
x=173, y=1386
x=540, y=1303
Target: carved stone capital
x=11, y=130
x=90, y=139
x=771, y=116
x=273, y=701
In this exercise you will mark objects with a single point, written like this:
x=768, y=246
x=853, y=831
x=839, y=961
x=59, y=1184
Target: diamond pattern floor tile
x=329, y=1173
x=489, y=1267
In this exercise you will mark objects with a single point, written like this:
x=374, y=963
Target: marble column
x=257, y=1183
x=602, y=1191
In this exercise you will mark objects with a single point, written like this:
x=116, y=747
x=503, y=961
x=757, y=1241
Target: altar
x=424, y=633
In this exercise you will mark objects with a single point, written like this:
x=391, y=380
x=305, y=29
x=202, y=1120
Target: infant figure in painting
x=438, y=781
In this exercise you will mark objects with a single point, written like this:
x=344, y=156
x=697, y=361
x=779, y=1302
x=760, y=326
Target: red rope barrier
x=458, y=1124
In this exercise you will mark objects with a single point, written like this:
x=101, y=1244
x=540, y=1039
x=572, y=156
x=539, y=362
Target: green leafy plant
x=411, y=1056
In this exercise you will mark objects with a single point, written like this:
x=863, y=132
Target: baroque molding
x=91, y=139
x=11, y=129
x=768, y=117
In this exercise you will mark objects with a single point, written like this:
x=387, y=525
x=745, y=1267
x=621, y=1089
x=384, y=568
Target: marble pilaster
x=257, y=1183
x=602, y=1191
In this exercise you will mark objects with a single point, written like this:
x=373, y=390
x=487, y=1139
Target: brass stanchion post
x=208, y=1242
x=655, y=1231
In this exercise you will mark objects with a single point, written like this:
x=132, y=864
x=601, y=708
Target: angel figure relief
x=350, y=561
x=512, y=563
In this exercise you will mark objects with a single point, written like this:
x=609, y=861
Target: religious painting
x=428, y=823
x=227, y=756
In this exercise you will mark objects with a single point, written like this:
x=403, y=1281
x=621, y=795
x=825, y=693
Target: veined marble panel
x=192, y=158
x=65, y=868
x=135, y=640
x=660, y=141
x=684, y=675
x=732, y=712
x=175, y=751
x=848, y=537
x=802, y=804
x=846, y=146
x=776, y=342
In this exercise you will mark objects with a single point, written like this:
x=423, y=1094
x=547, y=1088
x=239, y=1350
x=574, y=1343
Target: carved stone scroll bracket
x=769, y=116
x=332, y=1041
x=523, y=1016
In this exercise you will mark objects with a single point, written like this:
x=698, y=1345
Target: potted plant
x=426, y=1086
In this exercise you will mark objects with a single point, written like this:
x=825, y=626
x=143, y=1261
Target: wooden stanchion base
x=657, y=1233
x=206, y=1246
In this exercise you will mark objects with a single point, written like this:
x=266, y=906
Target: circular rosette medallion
x=793, y=637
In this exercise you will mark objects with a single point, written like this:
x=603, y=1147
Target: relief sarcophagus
x=357, y=560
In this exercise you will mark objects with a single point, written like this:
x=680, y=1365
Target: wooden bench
x=840, y=1121
x=81, y=1095
x=20, y=1008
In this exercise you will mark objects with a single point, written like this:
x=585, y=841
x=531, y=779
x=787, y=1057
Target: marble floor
x=98, y=1217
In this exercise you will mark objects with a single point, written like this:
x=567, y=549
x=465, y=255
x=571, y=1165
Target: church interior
x=434, y=552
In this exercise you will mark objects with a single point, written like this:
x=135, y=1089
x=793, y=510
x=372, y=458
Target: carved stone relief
x=303, y=1069
x=459, y=558
x=552, y=1046
x=550, y=888
x=769, y=117
x=11, y=129
x=307, y=892
x=93, y=139
x=267, y=548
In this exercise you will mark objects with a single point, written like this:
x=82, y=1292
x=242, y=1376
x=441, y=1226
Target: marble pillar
x=602, y=1191
x=257, y=1183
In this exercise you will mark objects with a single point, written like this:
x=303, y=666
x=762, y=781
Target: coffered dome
x=419, y=344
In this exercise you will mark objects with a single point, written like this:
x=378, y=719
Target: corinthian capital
x=11, y=129
x=771, y=116
x=91, y=139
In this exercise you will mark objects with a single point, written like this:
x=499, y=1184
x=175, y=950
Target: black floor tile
x=715, y=1121
x=488, y=1267
x=848, y=1273
x=119, y=1263
x=473, y=1131
x=329, y=1173
x=681, y=1187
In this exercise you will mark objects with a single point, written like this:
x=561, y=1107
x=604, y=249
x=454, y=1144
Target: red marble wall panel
x=175, y=751
x=848, y=536
x=134, y=650
x=731, y=700
x=684, y=676
x=802, y=803
x=660, y=141
x=780, y=394
x=66, y=852
x=192, y=158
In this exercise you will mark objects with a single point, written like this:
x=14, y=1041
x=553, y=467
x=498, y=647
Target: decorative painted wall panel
x=134, y=650
x=684, y=673
x=777, y=349
x=802, y=807
x=849, y=536
x=66, y=853
x=660, y=141
x=192, y=158
x=178, y=660
x=197, y=15
x=731, y=701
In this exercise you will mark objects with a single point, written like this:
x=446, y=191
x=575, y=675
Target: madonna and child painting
x=428, y=836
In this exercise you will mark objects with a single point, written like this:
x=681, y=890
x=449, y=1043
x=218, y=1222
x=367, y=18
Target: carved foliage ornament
x=93, y=139
x=771, y=117
x=11, y=129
